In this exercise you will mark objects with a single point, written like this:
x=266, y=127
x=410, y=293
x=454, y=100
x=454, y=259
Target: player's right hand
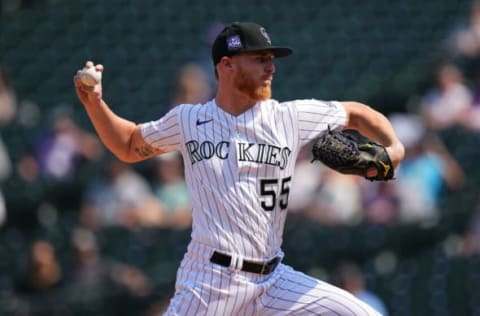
x=89, y=96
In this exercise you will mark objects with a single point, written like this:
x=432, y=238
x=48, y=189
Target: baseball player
x=239, y=151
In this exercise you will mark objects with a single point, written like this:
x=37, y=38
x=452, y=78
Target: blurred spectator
x=40, y=285
x=160, y=306
x=427, y=169
x=57, y=154
x=192, y=86
x=465, y=41
x=324, y=195
x=8, y=106
x=89, y=277
x=29, y=114
x=449, y=102
x=338, y=200
x=380, y=202
x=472, y=117
x=121, y=197
x=170, y=188
x=305, y=183
x=470, y=243
x=93, y=277
x=5, y=169
x=471, y=238
x=8, y=100
x=349, y=277
x=43, y=272
x=157, y=308
x=195, y=81
x=204, y=58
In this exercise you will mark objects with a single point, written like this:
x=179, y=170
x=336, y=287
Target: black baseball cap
x=243, y=37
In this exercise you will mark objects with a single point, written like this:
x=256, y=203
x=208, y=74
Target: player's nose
x=270, y=67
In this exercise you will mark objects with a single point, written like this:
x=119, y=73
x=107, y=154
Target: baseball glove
x=349, y=152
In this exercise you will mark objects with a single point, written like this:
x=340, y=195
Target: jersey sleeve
x=164, y=133
x=314, y=117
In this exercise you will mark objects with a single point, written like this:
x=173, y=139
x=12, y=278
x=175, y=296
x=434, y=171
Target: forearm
x=122, y=137
x=114, y=131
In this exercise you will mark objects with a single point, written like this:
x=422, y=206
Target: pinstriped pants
x=204, y=288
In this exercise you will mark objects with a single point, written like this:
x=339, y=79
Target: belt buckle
x=264, y=269
x=269, y=266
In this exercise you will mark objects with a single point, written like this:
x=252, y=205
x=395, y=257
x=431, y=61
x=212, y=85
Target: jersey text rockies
x=250, y=152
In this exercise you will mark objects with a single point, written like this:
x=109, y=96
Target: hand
x=372, y=172
x=89, y=96
x=396, y=152
x=350, y=152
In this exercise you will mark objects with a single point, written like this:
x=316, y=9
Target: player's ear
x=227, y=62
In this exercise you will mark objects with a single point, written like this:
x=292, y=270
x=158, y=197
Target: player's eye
x=264, y=59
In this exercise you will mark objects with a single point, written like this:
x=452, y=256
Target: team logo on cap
x=234, y=42
x=265, y=34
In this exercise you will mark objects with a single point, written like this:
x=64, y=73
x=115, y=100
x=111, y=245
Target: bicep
x=369, y=123
x=361, y=117
x=312, y=118
x=353, y=111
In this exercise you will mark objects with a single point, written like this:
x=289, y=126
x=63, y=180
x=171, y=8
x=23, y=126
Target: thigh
x=295, y=293
x=208, y=289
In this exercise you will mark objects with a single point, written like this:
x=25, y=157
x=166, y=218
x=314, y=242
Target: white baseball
x=90, y=76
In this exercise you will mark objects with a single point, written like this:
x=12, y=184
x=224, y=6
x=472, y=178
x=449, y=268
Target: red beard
x=247, y=85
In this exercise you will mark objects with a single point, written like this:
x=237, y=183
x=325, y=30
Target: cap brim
x=282, y=51
x=277, y=51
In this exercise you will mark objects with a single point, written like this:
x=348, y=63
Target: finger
x=76, y=77
x=87, y=89
x=372, y=172
x=99, y=67
x=76, y=81
x=89, y=64
x=80, y=85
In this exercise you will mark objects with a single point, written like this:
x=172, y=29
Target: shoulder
x=373, y=300
x=312, y=103
x=190, y=106
x=186, y=108
x=314, y=106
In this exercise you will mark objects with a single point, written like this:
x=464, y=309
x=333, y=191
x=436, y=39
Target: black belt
x=247, y=266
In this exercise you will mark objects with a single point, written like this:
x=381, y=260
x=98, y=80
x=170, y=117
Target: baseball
x=90, y=76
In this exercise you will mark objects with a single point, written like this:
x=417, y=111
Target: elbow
x=125, y=158
x=127, y=155
x=122, y=153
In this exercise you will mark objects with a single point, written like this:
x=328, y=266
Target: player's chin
x=264, y=92
x=267, y=82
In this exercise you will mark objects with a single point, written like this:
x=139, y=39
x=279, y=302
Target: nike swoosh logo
x=199, y=122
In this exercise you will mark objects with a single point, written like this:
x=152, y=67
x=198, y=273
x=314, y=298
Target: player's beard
x=247, y=85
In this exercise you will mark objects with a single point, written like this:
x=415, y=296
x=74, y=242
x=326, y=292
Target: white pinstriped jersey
x=239, y=168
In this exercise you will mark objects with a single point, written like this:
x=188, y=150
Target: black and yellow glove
x=349, y=152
